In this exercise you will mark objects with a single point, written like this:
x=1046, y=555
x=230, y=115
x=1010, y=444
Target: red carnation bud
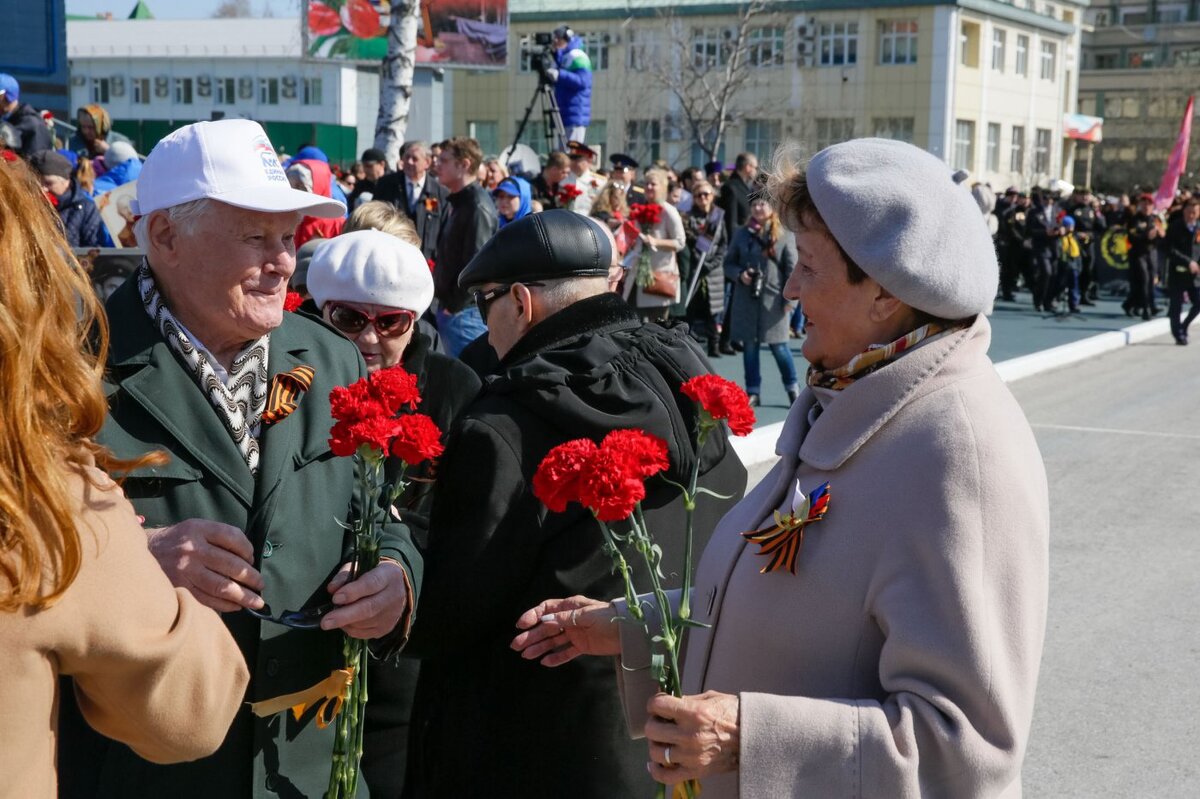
x=611, y=486
x=292, y=301
x=722, y=399
x=394, y=388
x=556, y=481
x=417, y=439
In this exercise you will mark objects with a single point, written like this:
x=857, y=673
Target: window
x=698, y=156
x=1100, y=20
x=1141, y=59
x=312, y=92
x=837, y=42
x=831, y=130
x=1016, y=150
x=1041, y=152
x=999, y=40
x=183, y=91
x=898, y=42
x=1135, y=15
x=100, y=89
x=643, y=138
x=268, y=91
x=645, y=49
x=141, y=91
x=764, y=46
x=1049, y=59
x=993, y=147
x=597, y=134
x=226, y=91
x=1116, y=107
x=898, y=128
x=711, y=47
x=968, y=45
x=487, y=133
x=1168, y=15
x=762, y=137
x=596, y=47
x=1186, y=58
x=964, y=144
x=1106, y=60
x=1022, y=56
x=525, y=44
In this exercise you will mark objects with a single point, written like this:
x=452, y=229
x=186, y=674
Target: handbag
x=666, y=284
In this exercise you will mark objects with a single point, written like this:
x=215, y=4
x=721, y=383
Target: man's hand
x=370, y=606
x=214, y=561
x=1194, y=268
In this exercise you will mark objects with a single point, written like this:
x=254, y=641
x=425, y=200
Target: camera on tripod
x=539, y=56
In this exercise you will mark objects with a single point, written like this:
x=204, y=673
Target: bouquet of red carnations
x=567, y=194
x=645, y=216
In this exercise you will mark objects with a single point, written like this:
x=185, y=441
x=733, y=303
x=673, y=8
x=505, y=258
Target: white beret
x=897, y=212
x=118, y=153
x=369, y=266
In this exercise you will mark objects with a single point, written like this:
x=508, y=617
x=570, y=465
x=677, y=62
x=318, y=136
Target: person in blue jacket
x=513, y=199
x=572, y=79
x=123, y=164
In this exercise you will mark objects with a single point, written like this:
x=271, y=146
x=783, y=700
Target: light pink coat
x=902, y=657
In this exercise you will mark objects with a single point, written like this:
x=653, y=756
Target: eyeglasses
x=352, y=321
x=704, y=194
x=485, y=298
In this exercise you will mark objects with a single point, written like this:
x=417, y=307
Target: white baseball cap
x=230, y=160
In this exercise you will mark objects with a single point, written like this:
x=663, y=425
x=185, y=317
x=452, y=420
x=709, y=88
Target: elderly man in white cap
x=206, y=365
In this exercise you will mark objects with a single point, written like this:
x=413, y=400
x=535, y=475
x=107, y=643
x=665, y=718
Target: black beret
x=373, y=156
x=545, y=246
x=51, y=162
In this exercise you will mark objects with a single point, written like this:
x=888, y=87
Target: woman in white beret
x=373, y=287
x=897, y=654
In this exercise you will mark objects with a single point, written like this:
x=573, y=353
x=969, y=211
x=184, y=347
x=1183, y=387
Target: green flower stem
x=689, y=505
x=670, y=628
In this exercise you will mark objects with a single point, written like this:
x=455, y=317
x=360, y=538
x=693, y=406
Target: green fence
x=339, y=142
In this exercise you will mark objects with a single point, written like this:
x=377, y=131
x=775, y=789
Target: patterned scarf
x=864, y=363
x=241, y=403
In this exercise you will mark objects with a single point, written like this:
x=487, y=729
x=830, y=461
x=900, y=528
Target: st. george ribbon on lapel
x=286, y=391
x=783, y=539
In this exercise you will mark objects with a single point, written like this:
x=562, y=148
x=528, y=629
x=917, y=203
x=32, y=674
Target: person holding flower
x=650, y=260
x=874, y=610
x=206, y=366
x=372, y=287
x=575, y=360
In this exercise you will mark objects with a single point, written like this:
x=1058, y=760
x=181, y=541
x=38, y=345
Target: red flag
x=1177, y=162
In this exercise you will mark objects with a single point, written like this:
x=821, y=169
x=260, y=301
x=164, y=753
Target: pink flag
x=1177, y=162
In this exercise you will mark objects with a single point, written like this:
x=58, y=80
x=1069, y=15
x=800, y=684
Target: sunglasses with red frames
x=352, y=321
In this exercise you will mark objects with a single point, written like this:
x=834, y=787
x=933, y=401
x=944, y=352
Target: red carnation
x=722, y=399
x=394, y=388
x=645, y=455
x=418, y=439
x=323, y=20
x=557, y=480
x=374, y=431
x=611, y=486
x=354, y=402
x=646, y=214
x=292, y=301
x=568, y=193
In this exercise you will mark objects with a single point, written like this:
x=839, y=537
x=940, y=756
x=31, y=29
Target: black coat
x=472, y=221
x=486, y=721
x=428, y=212
x=35, y=136
x=1183, y=247
x=81, y=218
x=447, y=387
x=735, y=200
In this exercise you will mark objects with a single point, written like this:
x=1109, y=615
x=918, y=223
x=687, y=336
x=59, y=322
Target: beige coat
x=153, y=667
x=901, y=658
x=670, y=227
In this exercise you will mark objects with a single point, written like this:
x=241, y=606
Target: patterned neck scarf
x=240, y=403
x=864, y=363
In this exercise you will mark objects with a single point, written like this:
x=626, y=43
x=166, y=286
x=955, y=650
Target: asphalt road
x=1118, y=702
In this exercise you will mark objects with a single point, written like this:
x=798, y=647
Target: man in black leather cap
x=575, y=362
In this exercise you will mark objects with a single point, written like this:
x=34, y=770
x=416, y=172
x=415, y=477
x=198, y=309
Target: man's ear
x=524, y=300
x=163, y=239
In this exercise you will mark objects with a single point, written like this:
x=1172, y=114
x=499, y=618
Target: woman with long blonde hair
x=80, y=594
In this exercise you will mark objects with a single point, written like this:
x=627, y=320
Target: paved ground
x=1119, y=695
x=1016, y=330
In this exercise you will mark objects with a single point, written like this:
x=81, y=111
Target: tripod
x=552, y=125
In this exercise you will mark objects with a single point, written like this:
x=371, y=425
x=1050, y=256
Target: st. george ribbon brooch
x=782, y=540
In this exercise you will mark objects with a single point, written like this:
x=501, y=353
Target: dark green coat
x=290, y=514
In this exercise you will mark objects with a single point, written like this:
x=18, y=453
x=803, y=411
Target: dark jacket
x=426, y=215
x=763, y=318
x=706, y=231
x=290, y=512
x=1183, y=247
x=544, y=193
x=35, y=136
x=495, y=551
x=447, y=387
x=472, y=222
x=735, y=200
x=1139, y=229
x=81, y=218
x=573, y=89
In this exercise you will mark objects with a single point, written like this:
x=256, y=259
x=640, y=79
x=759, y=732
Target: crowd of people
x=1049, y=241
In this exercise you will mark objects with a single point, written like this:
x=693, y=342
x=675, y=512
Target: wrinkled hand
x=214, y=561
x=560, y=630
x=370, y=606
x=702, y=731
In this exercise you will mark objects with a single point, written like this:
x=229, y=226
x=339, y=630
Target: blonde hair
x=658, y=176
x=385, y=217
x=53, y=341
x=611, y=200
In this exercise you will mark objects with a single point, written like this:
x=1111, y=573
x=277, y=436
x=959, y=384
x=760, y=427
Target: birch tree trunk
x=396, y=79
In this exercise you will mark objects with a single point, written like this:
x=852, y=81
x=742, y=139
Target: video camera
x=539, y=56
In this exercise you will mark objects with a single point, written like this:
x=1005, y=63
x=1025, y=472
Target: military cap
x=577, y=149
x=546, y=246
x=622, y=161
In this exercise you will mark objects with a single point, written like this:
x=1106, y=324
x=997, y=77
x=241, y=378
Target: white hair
x=563, y=292
x=185, y=215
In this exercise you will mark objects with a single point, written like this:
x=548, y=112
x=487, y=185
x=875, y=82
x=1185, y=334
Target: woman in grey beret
x=874, y=609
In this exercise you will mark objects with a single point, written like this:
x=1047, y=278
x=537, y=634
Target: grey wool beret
x=897, y=212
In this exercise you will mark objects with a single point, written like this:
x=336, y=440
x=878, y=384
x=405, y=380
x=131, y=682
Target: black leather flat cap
x=545, y=246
